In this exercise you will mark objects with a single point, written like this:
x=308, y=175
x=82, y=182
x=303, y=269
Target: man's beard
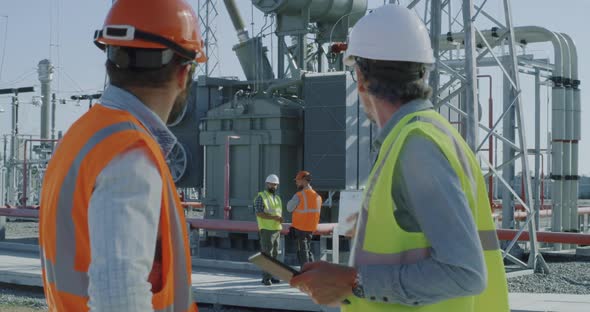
x=300, y=188
x=179, y=104
x=271, y=190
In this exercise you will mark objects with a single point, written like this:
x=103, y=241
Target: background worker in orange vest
x=113, y=235
x=269, y=215
x=305, y=206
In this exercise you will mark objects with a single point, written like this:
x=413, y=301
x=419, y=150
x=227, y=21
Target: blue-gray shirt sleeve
x=293, y=203
x=435, y=200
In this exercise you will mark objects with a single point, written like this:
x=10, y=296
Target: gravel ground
x=565, y=278
x=19, y=298
x=22, y=232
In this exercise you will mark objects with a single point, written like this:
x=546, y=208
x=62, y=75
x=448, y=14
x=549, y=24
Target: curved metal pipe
x=530, y=34
x=567, y=128
x=576, y=131
x=536, y=34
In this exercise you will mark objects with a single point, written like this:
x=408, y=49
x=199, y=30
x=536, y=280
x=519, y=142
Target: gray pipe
x=534, y=34
x=250, y=52
x=557, y=133
x=283, y=84
x=537, y=190
x=45, y=71
x=567, y=134
x=575, y=135
x=236, y=19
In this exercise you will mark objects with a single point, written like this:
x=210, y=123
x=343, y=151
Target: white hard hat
x=390, y=33
x=272, y=179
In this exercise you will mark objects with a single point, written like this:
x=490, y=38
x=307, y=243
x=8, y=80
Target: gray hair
x=395, y=81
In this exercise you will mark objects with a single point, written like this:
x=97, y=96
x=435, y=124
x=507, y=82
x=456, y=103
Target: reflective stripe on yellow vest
x=273, y=206
x=92, y=142
x=378, y=219
x=307, y=214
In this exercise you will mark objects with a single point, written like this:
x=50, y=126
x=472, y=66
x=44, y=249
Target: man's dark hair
x=139, y=77
x=395, y=81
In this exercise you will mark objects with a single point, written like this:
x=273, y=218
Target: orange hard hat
x=153, y=24
x=303, y=175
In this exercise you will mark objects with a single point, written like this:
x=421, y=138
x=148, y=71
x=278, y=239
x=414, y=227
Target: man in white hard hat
x=269, y=212
x=424, y=238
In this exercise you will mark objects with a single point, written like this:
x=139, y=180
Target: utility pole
x=53, y=107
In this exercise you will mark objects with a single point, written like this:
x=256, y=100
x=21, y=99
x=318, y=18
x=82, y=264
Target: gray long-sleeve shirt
x=429, y=198
x=294, y=201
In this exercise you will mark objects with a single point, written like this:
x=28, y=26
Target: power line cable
x=4, y=45
x=71, y=79
x=20, y=78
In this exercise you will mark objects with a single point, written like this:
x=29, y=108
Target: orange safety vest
x=92, y=142
x=307, y=214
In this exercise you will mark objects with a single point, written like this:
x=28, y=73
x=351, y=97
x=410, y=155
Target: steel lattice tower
x=460, y=48
x=208, y=15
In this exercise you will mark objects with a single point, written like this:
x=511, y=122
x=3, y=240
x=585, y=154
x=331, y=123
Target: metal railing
x=324, y=230
x=328, y=230
x=583, y=213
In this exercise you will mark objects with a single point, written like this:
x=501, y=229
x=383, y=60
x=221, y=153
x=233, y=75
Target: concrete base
x=583, y=251
x=29, y=248
x=210, y=285
x=526, y=302
x=517, y=273
x=228, y=265
x=2, y=228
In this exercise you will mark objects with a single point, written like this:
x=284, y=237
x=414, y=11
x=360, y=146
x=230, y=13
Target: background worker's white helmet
x=390, y=33
x=273, y=178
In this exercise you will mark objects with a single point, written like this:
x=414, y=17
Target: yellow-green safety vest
x=273, y=206
x=401, y=247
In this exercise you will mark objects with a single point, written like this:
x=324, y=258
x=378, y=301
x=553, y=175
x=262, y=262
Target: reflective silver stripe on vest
x=270, y=202
x=306, y=208
x=489, y=240
x=62, y=273
x=182, y=288
x=265, y=202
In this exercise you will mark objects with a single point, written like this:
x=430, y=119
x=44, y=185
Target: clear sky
x=61, y=30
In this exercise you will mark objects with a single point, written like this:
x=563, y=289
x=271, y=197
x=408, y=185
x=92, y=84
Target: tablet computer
x=273, y=266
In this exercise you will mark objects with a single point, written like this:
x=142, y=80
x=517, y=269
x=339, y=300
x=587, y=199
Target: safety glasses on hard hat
x=129, y=33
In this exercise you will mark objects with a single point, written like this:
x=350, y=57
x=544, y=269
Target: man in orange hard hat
x=113, y=235
x=305, y=206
